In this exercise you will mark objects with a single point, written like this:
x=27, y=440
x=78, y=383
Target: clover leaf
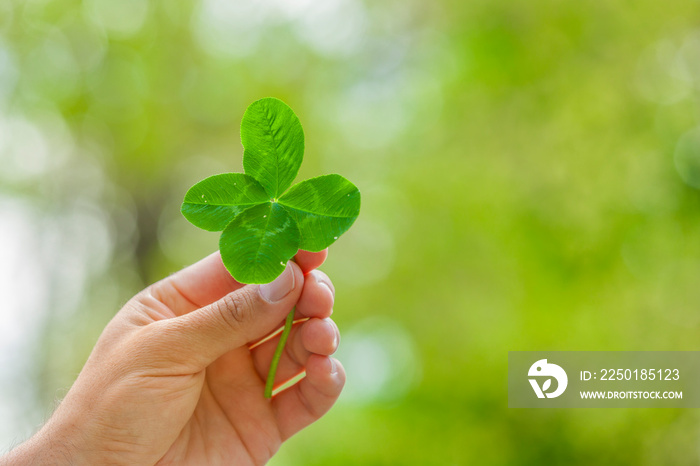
x=263, y=221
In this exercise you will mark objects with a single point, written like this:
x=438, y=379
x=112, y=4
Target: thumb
x=203, y=335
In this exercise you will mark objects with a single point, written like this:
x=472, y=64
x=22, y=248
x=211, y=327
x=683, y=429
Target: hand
x=172, y=379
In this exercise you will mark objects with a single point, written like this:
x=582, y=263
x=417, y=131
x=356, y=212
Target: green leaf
x=212, y=203
x=264, y=226
x=257, y=244
x=324, y=208
x=274, y=144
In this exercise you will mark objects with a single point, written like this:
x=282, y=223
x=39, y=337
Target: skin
x=173, y=378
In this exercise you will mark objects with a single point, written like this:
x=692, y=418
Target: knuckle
x=234, y=309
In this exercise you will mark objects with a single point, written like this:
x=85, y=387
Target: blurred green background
x=529, y=172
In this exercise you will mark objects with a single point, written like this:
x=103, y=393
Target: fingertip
x=322, y=279
x=312, y=397
x=325, y=374
x=317, y=297
x=320, y=336
x=309, y=261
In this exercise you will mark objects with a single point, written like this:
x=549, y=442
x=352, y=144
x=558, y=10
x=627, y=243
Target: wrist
x=45, y=447
x=63, y=440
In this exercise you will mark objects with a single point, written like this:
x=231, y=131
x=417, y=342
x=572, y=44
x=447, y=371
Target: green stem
x=278, y=353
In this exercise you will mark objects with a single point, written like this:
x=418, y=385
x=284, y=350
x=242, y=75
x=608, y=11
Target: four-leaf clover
x=264, y=221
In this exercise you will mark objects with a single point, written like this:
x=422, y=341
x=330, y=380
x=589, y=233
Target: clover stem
x=278, y=353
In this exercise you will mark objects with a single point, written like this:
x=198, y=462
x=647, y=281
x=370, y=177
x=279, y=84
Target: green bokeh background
x=529, y=173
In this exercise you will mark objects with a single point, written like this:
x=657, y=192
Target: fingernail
x=334, y=366
x=280, y=287
x=332, y=329
x=323, y=279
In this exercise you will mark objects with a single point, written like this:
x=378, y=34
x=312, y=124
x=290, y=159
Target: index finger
x=308, y=261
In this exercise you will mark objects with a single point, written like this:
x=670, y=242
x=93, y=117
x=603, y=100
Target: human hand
x=173, y=378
